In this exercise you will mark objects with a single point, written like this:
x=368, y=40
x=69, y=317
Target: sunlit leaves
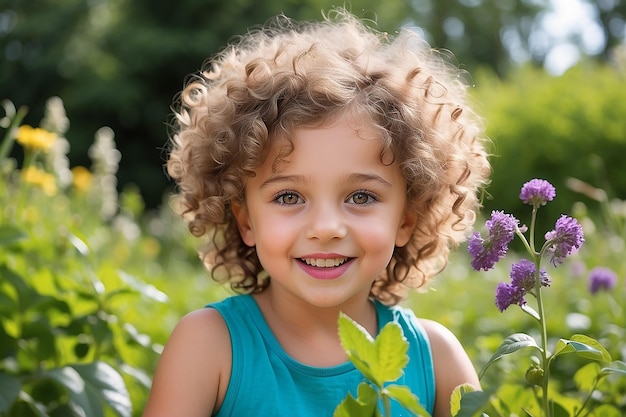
x=381, y=360
x=511, y=344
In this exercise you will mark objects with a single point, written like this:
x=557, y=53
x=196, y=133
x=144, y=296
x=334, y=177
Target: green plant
x=528, y=278
x=381, y=360
x=66, y=346
x=534, y=131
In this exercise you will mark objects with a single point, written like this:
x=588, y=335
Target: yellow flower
x=40, y=178
x=35, y=138
x=81, y=178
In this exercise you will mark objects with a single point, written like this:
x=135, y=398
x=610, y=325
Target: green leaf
x=511, y=344
x=136, y=337
x=8, y=304
x=79, y=244
x=104, y=383
x=146, y=290
x=41, y=332
x=617, y=367
x=457, y=394
x=359, y=346
x=607, y=410
x=8, y=344
x=100, y=328
x=76, y=387
x=586, y=376
x=10, y=235
x=68, y=377
x=583, y=346
x=363, y=406
x=10, y=388
x=466, y=401
x=27, y=406
x=391, y=349
x=380, y=360
x=593, y=343
x=367, y=394
x=26, y=295
x=559, y=410
x=407, y=399
x=530, y=311
x=140, y=375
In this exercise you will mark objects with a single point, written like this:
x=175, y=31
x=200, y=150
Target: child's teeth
x=325, y=263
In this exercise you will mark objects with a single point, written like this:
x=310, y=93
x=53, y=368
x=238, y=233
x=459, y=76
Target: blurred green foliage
x=555, y=128
x=81, y=320
x=88, y=295
x=119, y=63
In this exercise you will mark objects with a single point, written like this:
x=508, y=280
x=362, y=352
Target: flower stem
x=9, y=136
x=591, y=391
x=541, y=312
x=533, y=218
x=544, y=339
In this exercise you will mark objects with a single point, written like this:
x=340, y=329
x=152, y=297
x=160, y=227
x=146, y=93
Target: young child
x=331, y=168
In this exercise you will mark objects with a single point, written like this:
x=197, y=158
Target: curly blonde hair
x=287, y=74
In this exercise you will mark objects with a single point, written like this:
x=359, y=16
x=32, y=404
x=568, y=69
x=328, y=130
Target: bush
x=77, y=267
x=555, y=128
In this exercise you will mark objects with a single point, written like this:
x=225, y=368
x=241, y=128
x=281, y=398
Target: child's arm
x=193, y=372
x=452, y=365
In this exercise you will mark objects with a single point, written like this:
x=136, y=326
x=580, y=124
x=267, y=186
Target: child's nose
x=326, y=222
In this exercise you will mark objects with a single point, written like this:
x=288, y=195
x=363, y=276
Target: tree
x=121, y=62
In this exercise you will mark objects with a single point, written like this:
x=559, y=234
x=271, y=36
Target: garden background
x=95, y=270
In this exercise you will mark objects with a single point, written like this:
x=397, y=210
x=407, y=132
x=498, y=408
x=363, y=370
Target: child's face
x=325, y=225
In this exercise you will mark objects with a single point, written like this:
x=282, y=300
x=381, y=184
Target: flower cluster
x=35, y=138
x=523, y=281
x=81, y=178
x=564, y=240
x=487, y=251
x=537, y=192
x=601, y=279
x=40, y=178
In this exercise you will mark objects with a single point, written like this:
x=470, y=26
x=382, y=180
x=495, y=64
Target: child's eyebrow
x=352, y=178
x=282, y=178
x=364, y=177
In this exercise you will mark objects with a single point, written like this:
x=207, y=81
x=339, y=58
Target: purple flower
x=507, y=294
x=601, y=279
x=566, y=238
x=537, y=192
x=522, y=282
x=523, y=276
x=486, y=252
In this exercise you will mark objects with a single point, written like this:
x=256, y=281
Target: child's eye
x=288, y=198
x=362, y=197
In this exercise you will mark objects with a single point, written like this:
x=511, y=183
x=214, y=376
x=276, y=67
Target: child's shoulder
x=439, y=337
x=193, y=372
x=438, y=334
x=197, y=333
x=451, y=363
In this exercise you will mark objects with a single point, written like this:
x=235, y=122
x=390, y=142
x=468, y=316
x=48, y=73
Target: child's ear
x=243, y=223
x=407, y=226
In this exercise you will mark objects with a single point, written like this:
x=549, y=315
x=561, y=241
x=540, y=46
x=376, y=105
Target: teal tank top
x=266, y=381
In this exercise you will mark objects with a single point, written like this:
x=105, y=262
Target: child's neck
x=308, y=333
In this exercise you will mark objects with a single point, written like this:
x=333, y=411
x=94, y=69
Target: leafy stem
x=541, y=313
x=588, y=397
x=9, y=136
x=544, y=338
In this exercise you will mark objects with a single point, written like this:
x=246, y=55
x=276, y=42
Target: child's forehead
x=363, y=129
x=342, y=136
